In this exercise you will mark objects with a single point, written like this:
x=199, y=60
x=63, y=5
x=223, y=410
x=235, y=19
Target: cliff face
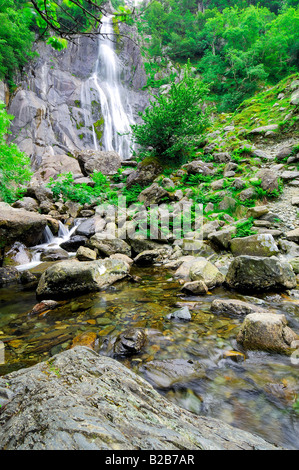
x=50, y=116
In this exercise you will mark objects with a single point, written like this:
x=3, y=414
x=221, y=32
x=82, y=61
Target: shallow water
x=255, y=394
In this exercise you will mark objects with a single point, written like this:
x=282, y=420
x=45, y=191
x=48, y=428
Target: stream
x=253, y=391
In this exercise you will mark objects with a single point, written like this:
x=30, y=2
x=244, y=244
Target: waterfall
x=112, y=96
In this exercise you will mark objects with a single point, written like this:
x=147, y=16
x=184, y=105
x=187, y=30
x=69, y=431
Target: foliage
x=244, y=228
x=174, y=123
x=234, y=48
x=16, y=39
x=14, y=165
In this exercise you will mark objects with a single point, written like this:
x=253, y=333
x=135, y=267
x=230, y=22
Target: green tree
x=14, y=164
x=174, y=123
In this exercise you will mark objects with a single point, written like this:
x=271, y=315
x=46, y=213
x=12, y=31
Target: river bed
x=254, y=391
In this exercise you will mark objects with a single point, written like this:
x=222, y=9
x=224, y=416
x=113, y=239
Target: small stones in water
x=44, y=306
x=181, y=314
x=129, y=342
x=87, y=339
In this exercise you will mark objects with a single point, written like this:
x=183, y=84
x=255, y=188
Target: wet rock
x=129, y=342
x=106, y=162
x=86, y=228
x=204, y=270
x=181, y=314
x=112, y=408
x=72, y=277
x=266, y=332
x=147, y=258
x=9, y=275
x=88, y=339
x=26, y=277
x=195, y=288
x=233, y=307
x=44, y=306
x=74, y=243
x=167, y=373
x=255, y=245
x=54, y=254
x=253, y=273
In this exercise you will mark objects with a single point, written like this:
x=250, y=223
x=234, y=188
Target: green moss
x=99, y=129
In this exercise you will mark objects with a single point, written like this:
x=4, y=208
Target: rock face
x=253, y=273
x=82, y=401
x=267, y=332
x=20, y=225
x=52, y=116
x=73, y=277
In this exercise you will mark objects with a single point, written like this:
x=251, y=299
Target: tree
x=14, y=164
x=174, y=123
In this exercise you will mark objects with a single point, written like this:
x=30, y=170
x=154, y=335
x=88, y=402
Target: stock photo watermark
x=2, y=353
x=165, y=222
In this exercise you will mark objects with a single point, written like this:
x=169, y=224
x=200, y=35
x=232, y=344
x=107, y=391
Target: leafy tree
x=14, y=164
x=16, y=39
x=174, y=123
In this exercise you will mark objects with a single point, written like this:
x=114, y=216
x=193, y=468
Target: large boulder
x=80, y=400
x=108, y=246
x=154, y=194
x=95, y=160
x=20, y=225
x=146, y=172
x=253, y=273
x=267, y=332
x=72, y=277
x=255, y=245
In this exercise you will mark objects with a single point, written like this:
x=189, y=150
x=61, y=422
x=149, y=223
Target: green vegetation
x=235, y=48
x=14, y=165
x=174, y=124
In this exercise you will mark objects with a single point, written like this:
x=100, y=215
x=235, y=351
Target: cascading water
x=116, y=111
x=49, y=242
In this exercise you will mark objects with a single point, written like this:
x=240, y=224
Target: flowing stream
x=117, y=115
x=254, y=392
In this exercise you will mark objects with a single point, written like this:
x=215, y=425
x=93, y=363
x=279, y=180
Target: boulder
x=154, y=194
x=267, y=332
x=72, y=277
x=20, y=225
x=54, y=254
x=269, y=180
x=204, y=270
x=9, y=275
x=74, y=243
x=27, y=203
x=198, y=166
x=254, y=245
x=147, y=257
x=146, y=172
x=260, y=274
x=195, y=288
x=107, y=246
x=85, y=254
x=106, y=162
x=50, y=406
x=233, y=307
x=293, y=235
x=180, y=314
x=223, y=237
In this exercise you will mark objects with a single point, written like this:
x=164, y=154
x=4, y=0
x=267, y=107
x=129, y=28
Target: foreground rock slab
x=80, y=400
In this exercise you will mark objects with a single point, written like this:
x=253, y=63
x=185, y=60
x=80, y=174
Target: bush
x=14, y=164
x=174, y=123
